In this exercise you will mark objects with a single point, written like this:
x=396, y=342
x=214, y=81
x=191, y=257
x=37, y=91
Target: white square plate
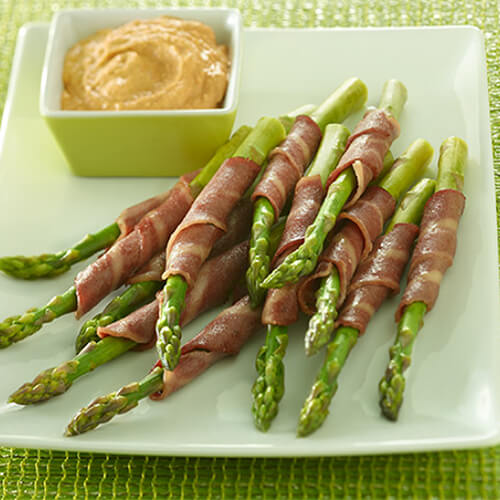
x=452, y=395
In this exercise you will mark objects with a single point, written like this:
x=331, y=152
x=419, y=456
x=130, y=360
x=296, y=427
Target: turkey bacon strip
x=224, y=336
x=281, y=307
x=131, y=252
x=217, y=277
x=366, y=149
x=287, y=163
x=377, y=277
x=435, y=249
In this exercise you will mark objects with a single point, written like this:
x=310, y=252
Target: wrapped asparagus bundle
x=433, y=255
x=377, y=277
x=360, y=164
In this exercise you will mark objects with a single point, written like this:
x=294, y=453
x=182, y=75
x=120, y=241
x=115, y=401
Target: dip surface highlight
x=162, y=63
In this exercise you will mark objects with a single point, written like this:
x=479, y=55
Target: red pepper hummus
x=162, y=63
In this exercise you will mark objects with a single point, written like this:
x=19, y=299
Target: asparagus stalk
x=133, y=297
x=18, y=327
x=268, y=388
x=349, y=97
x=48, y=265
x=267, y=133
x=315, y=409
x=451, y=168
x=104, y=408
x=302, y=261
x=56, y=381
x=405, y=171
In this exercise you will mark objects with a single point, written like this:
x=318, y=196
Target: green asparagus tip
x=104, y=408
x=17, y=328
x=168, y=329
x=48, y=384
x=322, y=323
x=88, y=333
x=269, y=386
x=34, y=267
x=100, y=411
x=259, y=252
x=290, y=271
x=315, y=409
x=168, y=346
x=392, y=385
x=391, y=392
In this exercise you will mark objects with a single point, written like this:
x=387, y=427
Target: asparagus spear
x=302, y=261
x=104, y=408
x=405, y=171
x=315, y=409
x=133, y=297
x=56, y=381
x=451, y=167
x=267, y=133
x=48, y=265
x=349, y=97
x=268, y=388
x=16, y=328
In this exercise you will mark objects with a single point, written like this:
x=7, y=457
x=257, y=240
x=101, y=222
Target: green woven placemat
x=464, y=474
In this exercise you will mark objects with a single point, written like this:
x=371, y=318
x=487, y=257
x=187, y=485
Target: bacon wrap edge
x=366, y=149
x=223, y=336
x=227, y=268
x=308, y=196
x=129, y=217
x=369, y=214
x=377, y=276
x=206, y=221
x=281, y=306
x=287, y=163
x=149, y=236
x=349, y=246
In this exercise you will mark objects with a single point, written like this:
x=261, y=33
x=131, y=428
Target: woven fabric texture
x=461, y=474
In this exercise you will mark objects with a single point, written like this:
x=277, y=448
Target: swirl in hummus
x=162, y=63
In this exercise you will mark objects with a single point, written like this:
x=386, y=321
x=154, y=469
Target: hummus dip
x=162, y=63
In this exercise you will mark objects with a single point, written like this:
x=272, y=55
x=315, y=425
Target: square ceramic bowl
x=136, y=143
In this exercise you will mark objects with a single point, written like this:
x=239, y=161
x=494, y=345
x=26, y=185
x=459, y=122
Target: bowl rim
x=234, y=79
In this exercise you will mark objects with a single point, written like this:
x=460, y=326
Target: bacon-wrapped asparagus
x=377, y=277
x=360, y=164
x=281, y=307
x=205, y=222
x=217, y=277
x=147, y=281
x=433, y=255
x=148, y=237
x=287, y=163
x=225, y=335
x=364, y=221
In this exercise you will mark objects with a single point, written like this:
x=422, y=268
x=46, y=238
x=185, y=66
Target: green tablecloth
x=461, y=474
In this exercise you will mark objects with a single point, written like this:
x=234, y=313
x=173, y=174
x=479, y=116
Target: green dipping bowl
x=136, y=143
